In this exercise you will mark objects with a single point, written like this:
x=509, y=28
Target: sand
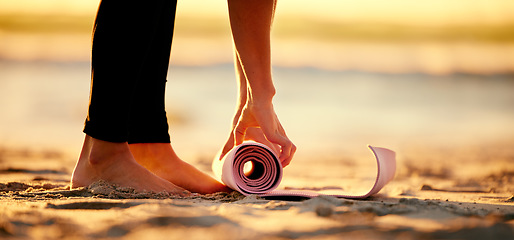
x=430, y=198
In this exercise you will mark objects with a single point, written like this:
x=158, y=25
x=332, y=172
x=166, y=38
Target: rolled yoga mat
x=265, y=173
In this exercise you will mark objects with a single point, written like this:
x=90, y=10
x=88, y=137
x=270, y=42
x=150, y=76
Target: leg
x=121, y=39
x=148, y=138
x=148, y=121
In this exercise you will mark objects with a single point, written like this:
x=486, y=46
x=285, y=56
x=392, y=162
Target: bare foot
x=161, y=159
x=113, y=163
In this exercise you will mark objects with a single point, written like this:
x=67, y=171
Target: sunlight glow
x=428, y=12
x=432, y=36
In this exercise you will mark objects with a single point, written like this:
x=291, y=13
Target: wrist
x=261, y=96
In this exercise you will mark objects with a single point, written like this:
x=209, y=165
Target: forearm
x=251, y=22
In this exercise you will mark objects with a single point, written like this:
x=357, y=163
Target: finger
x=288, y=160
x=284, y=143
x=228, y=145
x=286, y=150
x=239, y=134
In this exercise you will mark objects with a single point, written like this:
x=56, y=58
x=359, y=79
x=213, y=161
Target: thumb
x=226, y=148
x=239, y=134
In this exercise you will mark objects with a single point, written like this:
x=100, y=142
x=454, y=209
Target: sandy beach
x=448, y=195
x=452, y=135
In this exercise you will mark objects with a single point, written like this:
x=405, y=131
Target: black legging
x=130, y=58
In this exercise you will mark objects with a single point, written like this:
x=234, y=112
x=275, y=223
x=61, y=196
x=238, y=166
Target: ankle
x=153, y=153
x=103, y=152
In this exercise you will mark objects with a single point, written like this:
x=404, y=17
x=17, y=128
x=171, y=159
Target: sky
x=426, y=12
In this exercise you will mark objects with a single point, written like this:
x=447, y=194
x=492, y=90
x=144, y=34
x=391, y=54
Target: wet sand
x=463, y=193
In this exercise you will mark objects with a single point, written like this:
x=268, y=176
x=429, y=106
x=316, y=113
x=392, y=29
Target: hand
x=259, y=122
x=252, y=134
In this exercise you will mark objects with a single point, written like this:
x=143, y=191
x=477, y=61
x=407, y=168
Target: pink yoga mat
x=266, y=172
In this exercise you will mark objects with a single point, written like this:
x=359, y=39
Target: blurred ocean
x=348, y=73
x=43, y=105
